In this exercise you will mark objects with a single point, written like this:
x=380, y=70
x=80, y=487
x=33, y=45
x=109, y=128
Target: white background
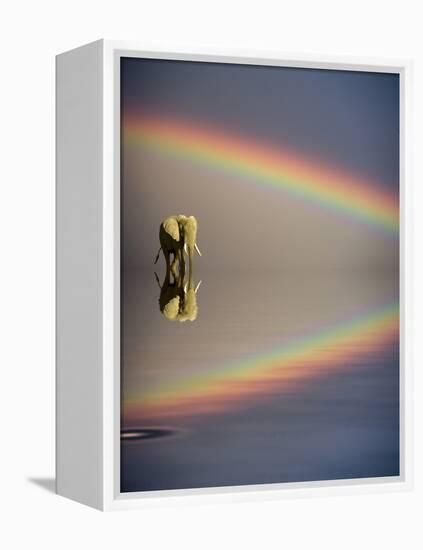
x=31, y=33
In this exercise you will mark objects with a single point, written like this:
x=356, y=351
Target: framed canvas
x=232, y=275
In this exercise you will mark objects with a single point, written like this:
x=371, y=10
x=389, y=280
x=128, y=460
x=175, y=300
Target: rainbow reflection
x=300, y=360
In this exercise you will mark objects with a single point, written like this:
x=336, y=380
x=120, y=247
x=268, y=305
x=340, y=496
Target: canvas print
x=259, y=275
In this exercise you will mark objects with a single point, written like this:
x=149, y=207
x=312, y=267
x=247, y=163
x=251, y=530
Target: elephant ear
x=171, y=227
x=171, y=309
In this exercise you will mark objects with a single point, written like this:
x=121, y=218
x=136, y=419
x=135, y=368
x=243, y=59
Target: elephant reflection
x=178, y=301
x=178, y=234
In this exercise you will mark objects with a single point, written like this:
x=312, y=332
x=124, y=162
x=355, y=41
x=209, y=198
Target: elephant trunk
x=190, y=256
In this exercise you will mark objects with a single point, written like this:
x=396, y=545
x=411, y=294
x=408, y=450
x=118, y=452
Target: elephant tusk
x=197, y=287
x=186, y=288
x=197, y=249
x=186, y=248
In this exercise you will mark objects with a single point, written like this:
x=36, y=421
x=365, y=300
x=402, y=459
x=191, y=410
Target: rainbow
x=267, y=165
x=300, y=360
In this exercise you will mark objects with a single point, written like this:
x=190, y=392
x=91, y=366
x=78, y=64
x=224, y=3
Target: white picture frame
x=88, y=272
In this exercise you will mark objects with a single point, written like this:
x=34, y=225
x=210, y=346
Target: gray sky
x=346, y=119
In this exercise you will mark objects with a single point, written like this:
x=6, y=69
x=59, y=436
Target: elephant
x=178, y=302
x=178, y=234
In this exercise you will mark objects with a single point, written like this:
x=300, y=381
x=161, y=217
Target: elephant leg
x=167, y=260
x=173, y=265
x=181, y=262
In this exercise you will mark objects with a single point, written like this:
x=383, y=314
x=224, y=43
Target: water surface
x=283, y=376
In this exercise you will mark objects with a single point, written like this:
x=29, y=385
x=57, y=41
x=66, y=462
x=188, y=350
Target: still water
x=279, y=377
